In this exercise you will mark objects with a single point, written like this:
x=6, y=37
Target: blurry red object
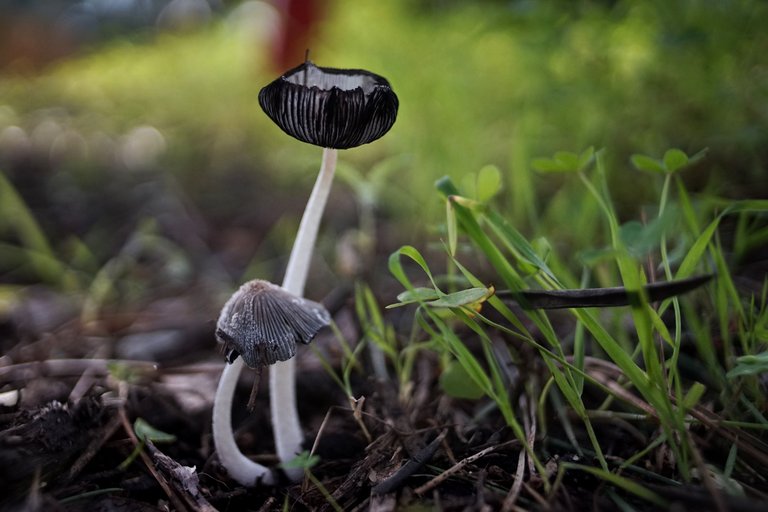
x=299, y=22
x=29, y=43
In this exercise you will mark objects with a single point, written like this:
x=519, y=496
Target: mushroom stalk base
x=282, y=375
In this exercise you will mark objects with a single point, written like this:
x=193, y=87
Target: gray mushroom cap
x=262, y=322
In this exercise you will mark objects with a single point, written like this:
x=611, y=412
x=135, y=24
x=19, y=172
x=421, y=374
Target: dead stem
x=459, y=465
x=175, y=500
x=72, y=368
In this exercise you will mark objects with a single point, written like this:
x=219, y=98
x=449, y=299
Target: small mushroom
x=329, y=107
x=262, y=323
x=335, y=109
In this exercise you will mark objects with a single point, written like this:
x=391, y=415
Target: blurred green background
x=149, y=123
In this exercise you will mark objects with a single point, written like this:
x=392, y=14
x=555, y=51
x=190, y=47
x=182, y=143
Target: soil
x=65, y=443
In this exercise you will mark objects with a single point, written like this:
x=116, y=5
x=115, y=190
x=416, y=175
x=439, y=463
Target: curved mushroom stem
x=282, y=381
x=241, y=468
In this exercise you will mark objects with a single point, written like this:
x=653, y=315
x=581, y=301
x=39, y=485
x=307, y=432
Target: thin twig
x=70, y=368
x=93, y=447
x=623, y=394
x=530, y=429
x=537, y=497
x=305, y=483
x=267, y=506
x=514, y=492
x=413, y=464
x=357, y=413
x=175, y=500
x=738, y=439
x=460, y=465
x=82, y=385
x=184, y=479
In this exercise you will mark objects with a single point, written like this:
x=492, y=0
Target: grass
x=650, y=384
x=514, y=81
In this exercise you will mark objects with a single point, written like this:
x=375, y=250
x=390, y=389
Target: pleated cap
x=262, y=322
x=328, y=107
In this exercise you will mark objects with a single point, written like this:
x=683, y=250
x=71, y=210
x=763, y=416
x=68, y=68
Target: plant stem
x=282, y=381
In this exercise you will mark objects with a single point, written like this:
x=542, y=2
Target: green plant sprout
x=145, y=432
x=305, y=462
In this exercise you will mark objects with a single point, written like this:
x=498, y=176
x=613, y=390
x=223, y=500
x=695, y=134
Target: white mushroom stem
x=282, y=380
x=301, y=254
x=239, y=467
x=282, y=375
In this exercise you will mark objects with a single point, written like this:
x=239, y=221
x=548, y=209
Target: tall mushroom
x=334, y=109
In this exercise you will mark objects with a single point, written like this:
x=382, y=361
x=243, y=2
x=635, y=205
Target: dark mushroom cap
x=262, y=323
x=332, y=108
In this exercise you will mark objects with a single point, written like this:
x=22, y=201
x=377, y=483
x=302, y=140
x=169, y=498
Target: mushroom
x=334, y=109
x=261, y=323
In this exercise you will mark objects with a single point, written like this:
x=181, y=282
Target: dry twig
x=460, y=465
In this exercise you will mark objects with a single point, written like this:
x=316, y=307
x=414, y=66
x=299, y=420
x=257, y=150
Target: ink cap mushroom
x=262, y=323
x=329, y=107
x=335, y=109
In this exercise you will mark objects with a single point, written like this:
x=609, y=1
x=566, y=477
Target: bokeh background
x=137, y=164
